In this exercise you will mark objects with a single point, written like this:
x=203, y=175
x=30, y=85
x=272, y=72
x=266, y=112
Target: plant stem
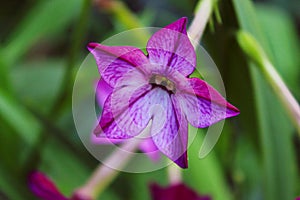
x=204, y=9
x=283, y=93
x=104, y=174
x=174, y=174
x=254, y=50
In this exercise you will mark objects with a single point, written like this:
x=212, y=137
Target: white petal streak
x=166, y=128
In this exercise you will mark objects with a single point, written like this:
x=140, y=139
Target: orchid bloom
x=157, y=87
x=175, y=192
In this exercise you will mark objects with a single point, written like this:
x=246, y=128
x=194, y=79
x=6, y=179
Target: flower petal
x=149, y=148
x=203, y=105
x=170, y=46
x=105, y=141
x=114, y=61
x=183, y=133
x=102, y=92
x=169, y=129
x=124, y=111
x=43, y=187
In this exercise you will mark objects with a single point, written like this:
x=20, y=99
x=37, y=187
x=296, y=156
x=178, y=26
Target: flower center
x=162, y=81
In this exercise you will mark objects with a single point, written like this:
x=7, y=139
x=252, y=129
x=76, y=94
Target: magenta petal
x=182, y=161
x=170, y=46
x=105, y=141
x=148, y=147
x=43, y=187
x=175, y=192
x=203, y=105
x=183, y=133
x=169, y=129
x=102, y=92
x=115, y=61
x=124, y=111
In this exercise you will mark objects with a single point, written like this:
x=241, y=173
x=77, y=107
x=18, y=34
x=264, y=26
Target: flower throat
x=163, y=82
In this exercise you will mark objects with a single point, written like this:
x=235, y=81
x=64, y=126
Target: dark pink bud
x=175, y=192
x=44, y=188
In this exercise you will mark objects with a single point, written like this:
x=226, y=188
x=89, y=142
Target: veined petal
x=169, y=129
x=183, y=133
x=203, y=105
x=148, y=147
x=125, y=112
x=171, y=47
x=105, y=141
x=115, y=61
x=102, y=92
x=128, y=110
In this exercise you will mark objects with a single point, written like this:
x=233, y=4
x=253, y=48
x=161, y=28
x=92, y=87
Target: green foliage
x=255, y=157
x=275, y=129
x=278, y=27
x=45, y=19
x=206, y=175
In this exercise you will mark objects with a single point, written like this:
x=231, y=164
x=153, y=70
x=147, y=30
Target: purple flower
x=175, y=192
x=102, y=92
x=147, y=146
x=157, y=87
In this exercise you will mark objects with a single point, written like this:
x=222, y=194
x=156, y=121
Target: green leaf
x=13, y=186
x=247, y=171
x=282, y=37
x=250, y=46
x=37, y=83
x=124, y=16
x=205, y=175
x=44, y=19
x=139, y=189
x=19, y=118
x=275, y=128
x=63, y=166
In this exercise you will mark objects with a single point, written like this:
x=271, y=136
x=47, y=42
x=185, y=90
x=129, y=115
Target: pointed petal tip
x=232, y=110
x=182, y=161
x=237, y=111
x=182, y=20
x=179, y=25
x=92, y=45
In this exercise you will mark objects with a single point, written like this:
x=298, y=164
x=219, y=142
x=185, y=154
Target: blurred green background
x=43, y=43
